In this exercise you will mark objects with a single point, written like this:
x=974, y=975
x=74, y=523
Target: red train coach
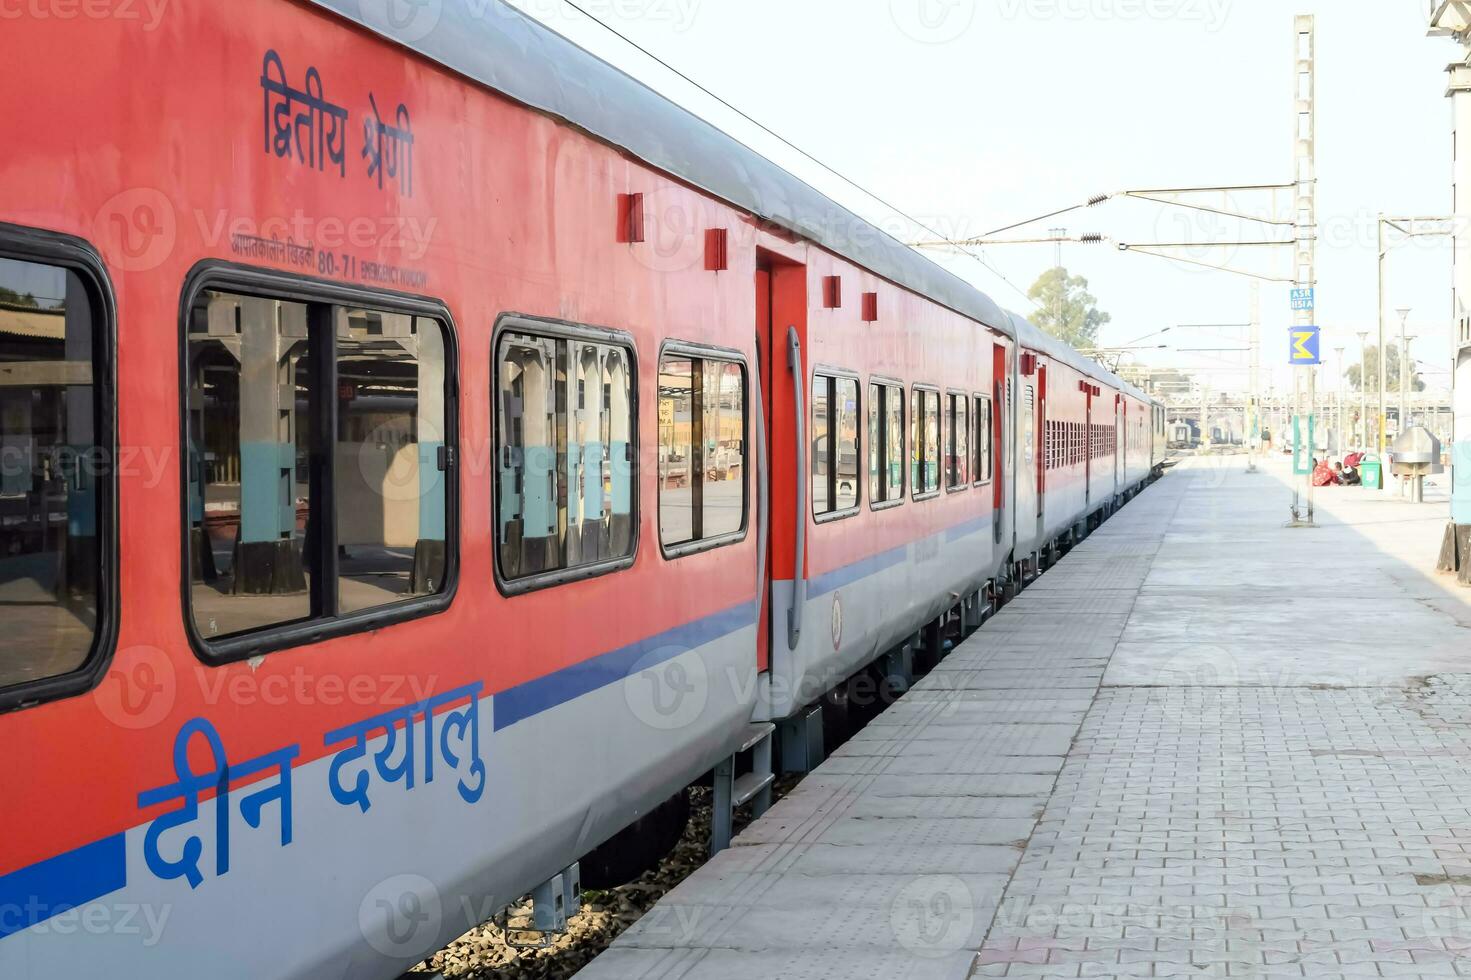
x=427, y=451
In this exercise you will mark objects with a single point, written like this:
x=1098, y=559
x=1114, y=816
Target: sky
x=974, y=114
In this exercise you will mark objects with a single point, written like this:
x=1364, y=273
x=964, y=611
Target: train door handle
x=799, y=581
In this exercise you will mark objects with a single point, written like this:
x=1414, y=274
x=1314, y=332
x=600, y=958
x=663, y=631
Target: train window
x=564, y=444
x=924, y=453
x=957, y=448
x=251, y=447
x=389, y=490
x=702, y=451
x=885, y=444
x=55, y=472
x=835, y=445
x=319, y=473
x=821, y=439
x=985, y=436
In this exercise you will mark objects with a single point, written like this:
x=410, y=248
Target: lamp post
x=1341, y=373
x=1407, y=382
x=1404, y=316
x=1364, y=389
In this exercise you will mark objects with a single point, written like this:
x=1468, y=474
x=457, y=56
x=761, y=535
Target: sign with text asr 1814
x=1305, y=346
x=1303, y=299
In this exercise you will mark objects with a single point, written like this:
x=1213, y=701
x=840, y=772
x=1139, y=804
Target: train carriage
x=427, y=451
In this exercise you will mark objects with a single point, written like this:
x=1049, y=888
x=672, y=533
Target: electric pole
x=1451, y=20
x=1305, y=256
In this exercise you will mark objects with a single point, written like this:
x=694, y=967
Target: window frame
x=990, y=440
x=558, y=329
x=893, y=385
x=837, y=374
x=705, y=352
x=38, y=246
x=251, y=281
x=949, y=399
x=915, y=493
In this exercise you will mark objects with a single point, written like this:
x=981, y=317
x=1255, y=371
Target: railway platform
x=1202, y=745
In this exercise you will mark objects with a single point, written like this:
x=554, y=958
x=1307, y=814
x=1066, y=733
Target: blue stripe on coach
x=68, y=881
x=544, y=693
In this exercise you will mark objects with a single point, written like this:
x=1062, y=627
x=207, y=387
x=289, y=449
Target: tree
x=1371, y=359
x=1067, y=310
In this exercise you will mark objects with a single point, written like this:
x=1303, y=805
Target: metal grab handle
x=763, y=493
x=799, y=580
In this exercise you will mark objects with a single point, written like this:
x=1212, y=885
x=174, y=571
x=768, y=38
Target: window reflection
x=846, y=410
x=50, y=557
x=390, y=488
x=564, y=448
x=702, y=449
x=894, y=410
x=957, y=450
x=724, y=433
x=821, y=437
x=252, y=401
x=877, y=438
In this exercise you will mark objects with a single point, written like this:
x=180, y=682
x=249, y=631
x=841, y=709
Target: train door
x=1088, y=450
x=1041, y=452
x=1120, y=443
x=781, y=518
x=1001, y=422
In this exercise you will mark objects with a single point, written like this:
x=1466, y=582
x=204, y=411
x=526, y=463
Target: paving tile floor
x=1253, y=764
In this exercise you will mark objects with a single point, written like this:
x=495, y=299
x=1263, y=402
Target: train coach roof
x=500, y=47
x=1030, y=336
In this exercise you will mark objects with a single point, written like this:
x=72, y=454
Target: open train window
x=984, y=440
x=57, y=551
x=319, y=479
x=924, y=442
x=702, y=449
x=836, y=449
x=566, y=444
x=885, y=444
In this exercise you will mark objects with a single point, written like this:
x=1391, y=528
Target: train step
x=750, y=787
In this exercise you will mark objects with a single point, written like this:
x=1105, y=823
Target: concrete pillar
x=268, y=552
x=1460, y=95
x=534, y=410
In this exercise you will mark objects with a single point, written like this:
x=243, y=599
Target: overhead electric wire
x=788, y=143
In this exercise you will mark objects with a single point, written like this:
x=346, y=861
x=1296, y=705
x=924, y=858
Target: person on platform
x=1323, y=474
x=1348, y=474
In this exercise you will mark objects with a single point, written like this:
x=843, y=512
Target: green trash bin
x=1371, y=472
